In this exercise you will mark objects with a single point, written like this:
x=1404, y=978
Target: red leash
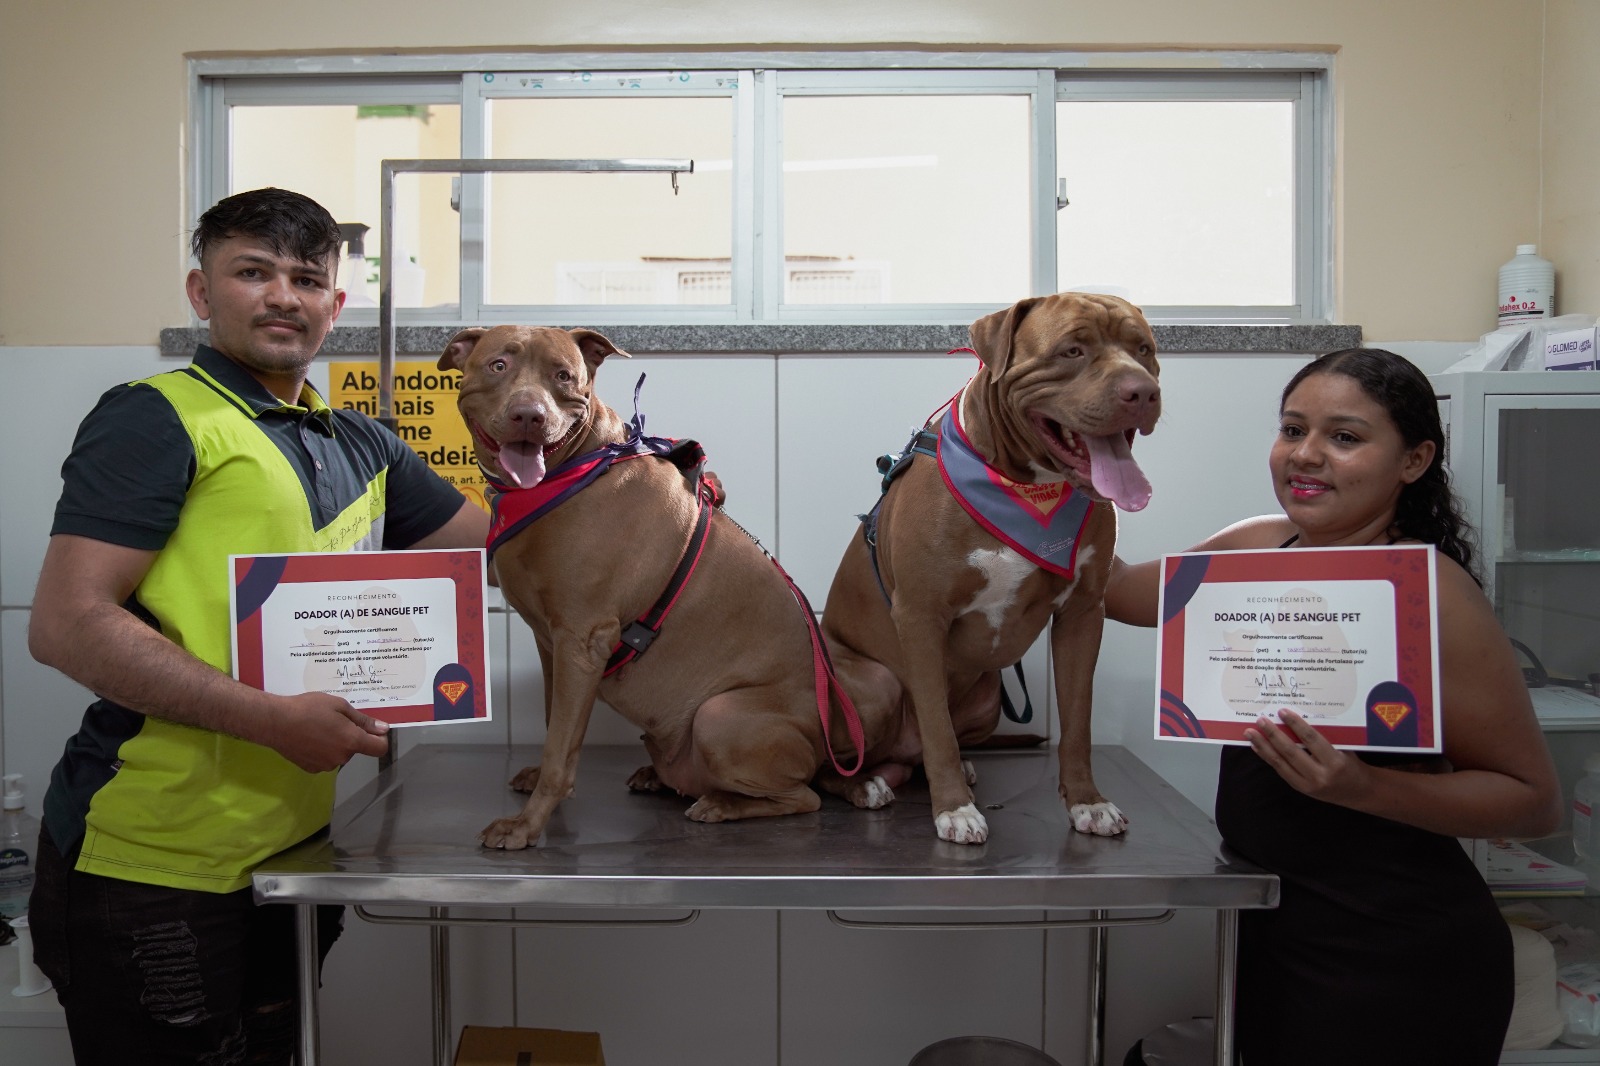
x=828, y=682
x=822, y=665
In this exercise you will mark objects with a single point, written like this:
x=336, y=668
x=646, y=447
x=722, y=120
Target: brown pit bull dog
x=726, y=695
x=1038, y=448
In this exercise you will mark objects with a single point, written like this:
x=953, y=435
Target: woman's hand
x=1312, y=766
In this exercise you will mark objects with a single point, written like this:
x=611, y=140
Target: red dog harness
x=513, y=508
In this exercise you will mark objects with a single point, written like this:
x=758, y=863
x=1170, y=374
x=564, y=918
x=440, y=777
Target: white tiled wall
x=794, y=440
x=638, y=987
x=877, y=996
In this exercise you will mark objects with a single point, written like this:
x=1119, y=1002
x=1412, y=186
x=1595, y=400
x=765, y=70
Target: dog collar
x=512, y=508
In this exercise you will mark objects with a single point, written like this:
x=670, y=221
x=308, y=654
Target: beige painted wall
x=1571, y=155
x=1438, y=106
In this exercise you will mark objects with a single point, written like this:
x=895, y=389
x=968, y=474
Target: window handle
x=1061, y=193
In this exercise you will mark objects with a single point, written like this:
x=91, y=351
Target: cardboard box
x=483, y=1045
x=1570, y=349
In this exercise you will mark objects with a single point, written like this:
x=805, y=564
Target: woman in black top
x=1386, y=946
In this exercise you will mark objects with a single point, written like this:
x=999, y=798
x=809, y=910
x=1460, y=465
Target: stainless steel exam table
x=407, y=838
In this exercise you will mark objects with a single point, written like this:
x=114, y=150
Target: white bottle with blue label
x=19, y=838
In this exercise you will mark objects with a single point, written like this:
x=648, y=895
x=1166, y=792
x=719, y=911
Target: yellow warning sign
x=425, y=412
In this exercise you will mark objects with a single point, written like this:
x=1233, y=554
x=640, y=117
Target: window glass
x=1186, y=203
x=611, y=238
x=905, y=199
x=896, y=194
x=337, y=157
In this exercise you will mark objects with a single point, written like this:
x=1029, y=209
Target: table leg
x=439, y=956
x=1097, y=992
x=1227, y=959
x=305, y=928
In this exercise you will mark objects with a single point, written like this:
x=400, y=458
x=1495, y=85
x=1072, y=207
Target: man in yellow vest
x=180, y=779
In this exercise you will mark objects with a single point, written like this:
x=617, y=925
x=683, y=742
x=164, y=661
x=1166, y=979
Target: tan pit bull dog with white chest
x=726, y=695
x=1009, y=528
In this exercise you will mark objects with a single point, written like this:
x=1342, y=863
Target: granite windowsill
x=1311, y=338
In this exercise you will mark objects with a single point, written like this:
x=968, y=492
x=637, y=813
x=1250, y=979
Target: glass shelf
x=1565, y=710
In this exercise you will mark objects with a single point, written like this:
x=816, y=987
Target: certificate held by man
x=1345, y=637
x=399, y=634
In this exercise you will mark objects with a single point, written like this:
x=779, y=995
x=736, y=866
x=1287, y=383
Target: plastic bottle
x=19, y=835
x=353, y=268
x=1527, y=288
x=1585, y=818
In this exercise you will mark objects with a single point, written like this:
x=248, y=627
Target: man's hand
x=318, y=732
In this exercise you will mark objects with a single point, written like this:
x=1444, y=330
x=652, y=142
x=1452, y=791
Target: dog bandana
x=1042, y=521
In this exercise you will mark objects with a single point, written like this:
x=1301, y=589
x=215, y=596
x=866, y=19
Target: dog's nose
x=527, y=415
x=1138, y=392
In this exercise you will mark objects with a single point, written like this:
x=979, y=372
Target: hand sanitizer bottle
x=19, y=838
x=353, y=268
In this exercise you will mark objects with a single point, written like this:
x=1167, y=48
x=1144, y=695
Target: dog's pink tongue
x=1114, y=473
x=523, y=463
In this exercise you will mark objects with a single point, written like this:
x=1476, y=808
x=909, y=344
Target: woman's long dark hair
x=1428, y=510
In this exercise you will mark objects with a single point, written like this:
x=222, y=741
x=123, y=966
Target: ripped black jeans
x=161, y=976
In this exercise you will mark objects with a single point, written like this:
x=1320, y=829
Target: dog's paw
x=877, y=794
x=509, y=833
x=964, y=825
x=645, y=779
x=1101, y=819
x=526, y=780
x=872, y=794
x=706, y=809
x=969, y=772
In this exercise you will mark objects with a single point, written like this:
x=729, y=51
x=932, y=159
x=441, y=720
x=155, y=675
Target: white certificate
x=1345, y=637
x=370, y=642
x=397, y=634
x=1263, y=646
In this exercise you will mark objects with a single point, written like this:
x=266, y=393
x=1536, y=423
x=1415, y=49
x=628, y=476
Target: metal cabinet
x=1524, y=456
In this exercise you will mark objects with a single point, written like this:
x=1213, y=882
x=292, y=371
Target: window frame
x=479, y=89
x=1313, y=260
x=762, y=80
x=985, y=82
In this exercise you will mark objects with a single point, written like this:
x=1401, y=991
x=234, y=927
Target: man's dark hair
x=288, y=223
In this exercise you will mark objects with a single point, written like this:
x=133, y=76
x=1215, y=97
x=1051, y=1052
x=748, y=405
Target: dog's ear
x=992, y=334
x=595, y=347
x=460, y=346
